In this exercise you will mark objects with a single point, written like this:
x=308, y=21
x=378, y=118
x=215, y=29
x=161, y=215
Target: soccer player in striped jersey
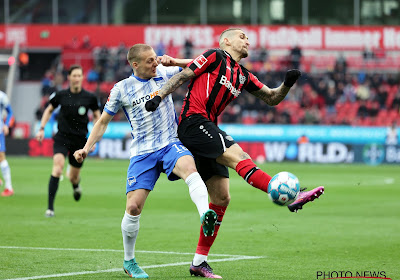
x=4, y=130
x=155, y=145
x=217, y=78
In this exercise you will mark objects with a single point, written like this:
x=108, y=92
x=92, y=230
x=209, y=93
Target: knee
x=133, y=209
x=190, y=169
x=222, y=200
x=226, y=199
x=57, y=170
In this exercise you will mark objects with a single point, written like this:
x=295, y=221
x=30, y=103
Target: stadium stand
x=335, y=89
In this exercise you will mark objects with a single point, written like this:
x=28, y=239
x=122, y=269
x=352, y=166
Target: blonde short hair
x=135, y=51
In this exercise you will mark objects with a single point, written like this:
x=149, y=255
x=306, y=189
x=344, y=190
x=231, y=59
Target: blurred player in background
x=217, y=79
x=155, y=145
x=4, y=130
x=73, y=119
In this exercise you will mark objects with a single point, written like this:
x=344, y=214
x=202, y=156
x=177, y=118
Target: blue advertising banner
x=290, y=133
x=265, y=132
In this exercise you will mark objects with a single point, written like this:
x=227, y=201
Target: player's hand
x=40, y=135
x=153, y=104
x=166, y=60
x=291, y=77
x=6, y=130
x=80, y=155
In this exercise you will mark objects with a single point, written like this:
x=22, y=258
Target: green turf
x=354, y=227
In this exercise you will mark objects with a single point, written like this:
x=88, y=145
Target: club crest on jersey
x=200, y=61
x=144, y=98
x=242, y=79
x=131, y=181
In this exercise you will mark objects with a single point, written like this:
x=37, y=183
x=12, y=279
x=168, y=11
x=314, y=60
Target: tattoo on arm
x=244, y=156
x=176, y=81
x=271, y=96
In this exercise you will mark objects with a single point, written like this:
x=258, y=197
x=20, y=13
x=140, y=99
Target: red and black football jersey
x=219, y=80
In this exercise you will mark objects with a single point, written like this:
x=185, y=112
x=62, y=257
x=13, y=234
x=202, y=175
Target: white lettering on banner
x=352, y=38
x=391, y=38
x=201, y=36
x=16, y=34
x=392, y=154
x=275, y=151
x=335, y=152
x=288, y=37
x=114, y=148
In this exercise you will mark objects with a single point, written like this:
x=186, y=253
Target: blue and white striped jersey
x=151, y=131
x=4, y=105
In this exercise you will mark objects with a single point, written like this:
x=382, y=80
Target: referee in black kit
x=73, y=120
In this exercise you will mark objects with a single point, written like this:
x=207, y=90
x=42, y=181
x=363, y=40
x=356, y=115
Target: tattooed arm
x=176, y=81
x=272, y=96
x=171, y=85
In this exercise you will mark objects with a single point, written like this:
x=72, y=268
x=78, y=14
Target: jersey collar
x=228, y=54
x=140, y=79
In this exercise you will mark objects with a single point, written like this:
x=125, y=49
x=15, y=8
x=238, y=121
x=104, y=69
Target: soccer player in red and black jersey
x=217, y=78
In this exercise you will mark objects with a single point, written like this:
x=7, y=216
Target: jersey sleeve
x=9, y=115
x=4, y=99
x=253, y=84
x=95, y=104
x=54, y=99
x=203, y=62
x=113, y=103
x=170, y=71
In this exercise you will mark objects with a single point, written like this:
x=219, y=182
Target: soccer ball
x=283, y=188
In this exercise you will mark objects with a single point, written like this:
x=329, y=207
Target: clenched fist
x=291, y=77
x=152, y=104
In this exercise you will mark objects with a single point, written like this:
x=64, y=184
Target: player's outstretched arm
x=45, y=118
x=167, y=60
x=170, y=86
x=96, y=116
x=275, y=95
x=95, y=135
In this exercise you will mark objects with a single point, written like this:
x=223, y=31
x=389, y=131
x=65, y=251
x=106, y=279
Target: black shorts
x=206, y=141
x=67, y=145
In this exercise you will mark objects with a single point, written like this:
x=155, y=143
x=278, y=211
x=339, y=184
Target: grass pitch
x=353, y=228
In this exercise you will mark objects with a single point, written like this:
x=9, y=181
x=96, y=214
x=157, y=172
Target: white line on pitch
x=111, y=250
x=120, y=269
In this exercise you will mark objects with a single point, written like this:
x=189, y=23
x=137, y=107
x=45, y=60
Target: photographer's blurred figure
x=391, y=135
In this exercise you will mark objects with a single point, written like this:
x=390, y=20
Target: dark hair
x=73, y=67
